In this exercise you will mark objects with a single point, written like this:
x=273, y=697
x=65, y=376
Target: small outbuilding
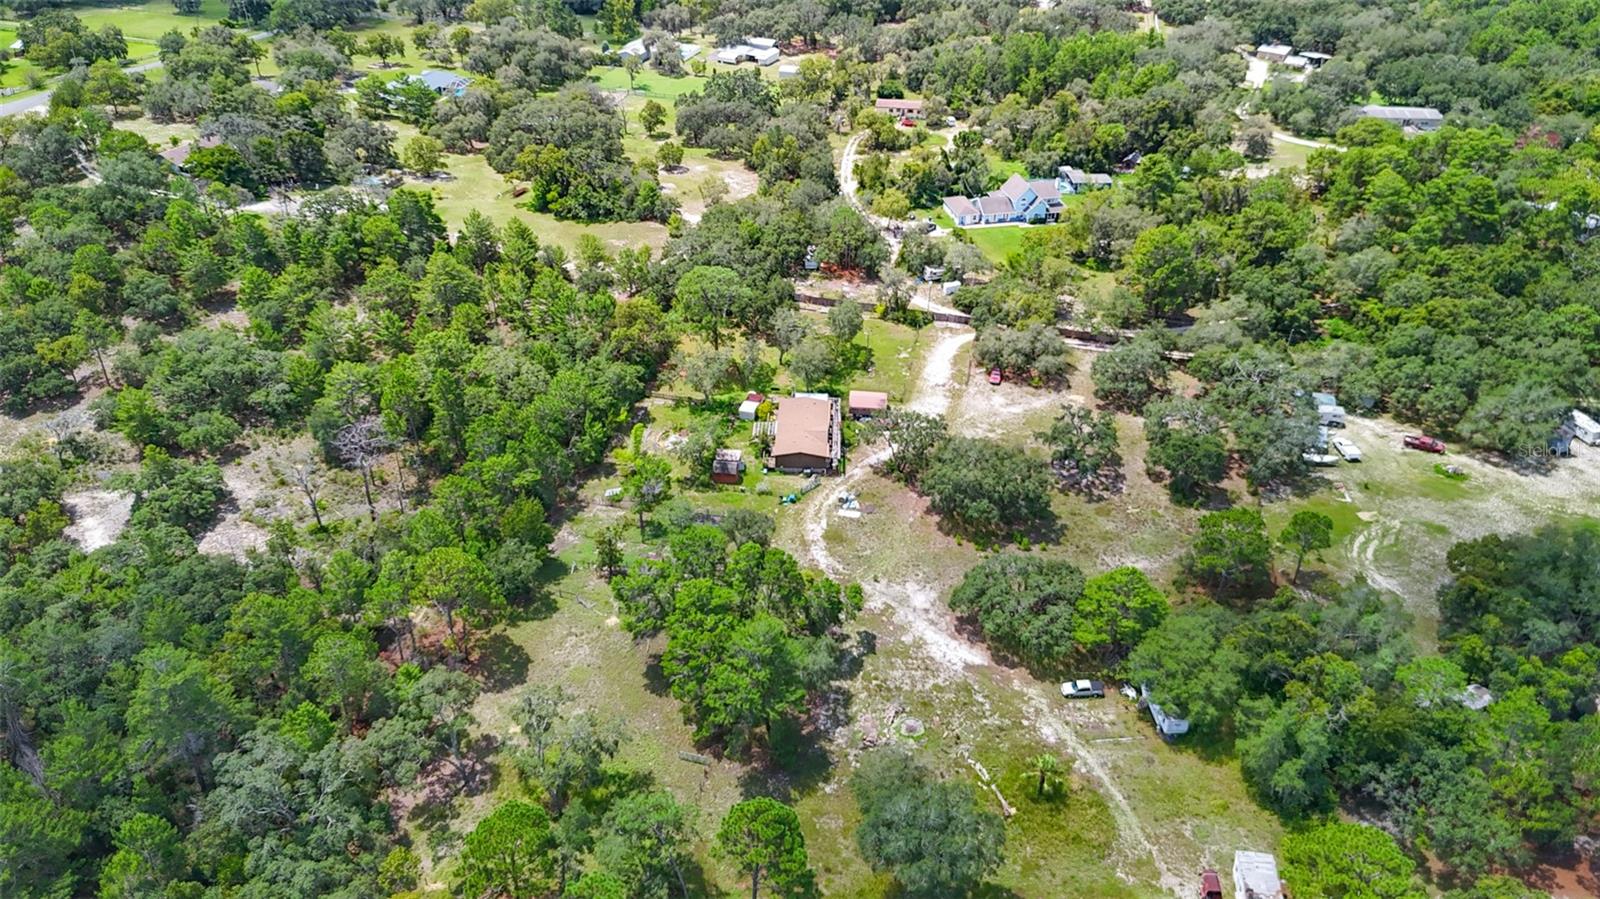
x=787, y=71
x=1255, y=876
x=867, y=403
x=1476, y=697
x=748, y=408
x=1274, y=52
x=727, y=467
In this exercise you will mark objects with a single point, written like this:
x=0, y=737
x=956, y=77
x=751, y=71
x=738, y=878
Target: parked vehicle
x=908, y=123
x=1210, y=885
x=1329, y=412
x=1584, y=428
x=995, y=377
x=1323, y=459
x=1084, y=689
x=1344, y=447
x=1423, y=442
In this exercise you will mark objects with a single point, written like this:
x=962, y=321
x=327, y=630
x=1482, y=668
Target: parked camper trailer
x=1584, y=428
x=1329, y=412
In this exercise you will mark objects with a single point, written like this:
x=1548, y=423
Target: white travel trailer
x=1584, y=428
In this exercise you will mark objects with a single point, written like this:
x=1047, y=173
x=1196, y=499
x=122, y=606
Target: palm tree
x=1047, y=767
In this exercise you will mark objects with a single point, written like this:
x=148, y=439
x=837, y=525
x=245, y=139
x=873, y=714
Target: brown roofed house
x=911, y=109
x=807, y=436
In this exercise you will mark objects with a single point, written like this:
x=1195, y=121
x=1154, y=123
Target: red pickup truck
x=1423, y=442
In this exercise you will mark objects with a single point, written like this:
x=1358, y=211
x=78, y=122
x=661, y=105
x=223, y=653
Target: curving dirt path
x=937, y=381
x=918, y=608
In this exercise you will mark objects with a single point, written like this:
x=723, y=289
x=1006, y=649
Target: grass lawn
x=1288, y=156
x=649, y=83
x=892, y=360
x=16, y=71
x=159, y=134
x=408, y=63
x=997, y=243
x=149, y=20
x=1001, y=168
x=469, y=183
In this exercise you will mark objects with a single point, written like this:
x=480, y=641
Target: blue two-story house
x=1022, y=201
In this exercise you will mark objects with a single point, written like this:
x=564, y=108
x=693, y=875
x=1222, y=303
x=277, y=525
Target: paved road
x=41, y=99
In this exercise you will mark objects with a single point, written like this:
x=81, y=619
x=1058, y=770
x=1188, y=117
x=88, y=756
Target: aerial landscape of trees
x=351, y=423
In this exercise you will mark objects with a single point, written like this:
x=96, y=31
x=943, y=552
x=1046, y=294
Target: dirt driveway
x=914, y=607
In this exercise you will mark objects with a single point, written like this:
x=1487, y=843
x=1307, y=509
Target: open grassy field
x=1286, y=155
x=648, y=83
x=149, y=20
x=157, y=133
x=16, y=70
x=1395, y=516
x=468, y=183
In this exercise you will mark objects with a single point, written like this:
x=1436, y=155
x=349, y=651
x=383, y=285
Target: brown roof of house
x=868, y=399
x=805, y=426
x=898, y=105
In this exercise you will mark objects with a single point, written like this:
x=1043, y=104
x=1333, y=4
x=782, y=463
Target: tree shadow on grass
x=502, y=662
x=795, y=760
x=441, y=786
x=655, y=680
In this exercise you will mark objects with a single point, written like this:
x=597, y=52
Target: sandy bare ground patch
x=1412, y=516
x=228, y=316
x=685, y=184
x=938, y=378
x=993, y=410
x=233, y=534
x=98, y=516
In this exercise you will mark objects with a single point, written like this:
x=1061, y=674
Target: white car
x=1084, y=689
x=1344, y=447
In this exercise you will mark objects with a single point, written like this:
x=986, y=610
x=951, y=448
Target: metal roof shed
x=1255, y=876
